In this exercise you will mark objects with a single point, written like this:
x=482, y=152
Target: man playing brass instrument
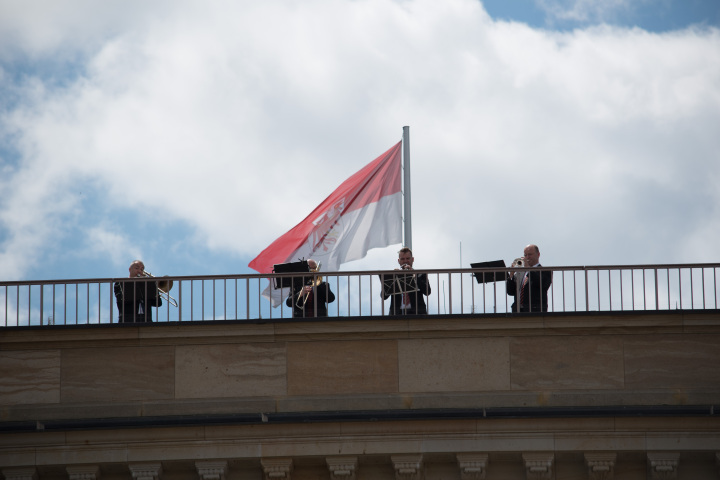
x=309, y=293
x=529, y=287
x=135, y=299
x=409, y=302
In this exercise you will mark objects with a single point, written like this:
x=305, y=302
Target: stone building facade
x=619, y=396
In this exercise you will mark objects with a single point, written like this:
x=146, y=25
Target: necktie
x=522, y=290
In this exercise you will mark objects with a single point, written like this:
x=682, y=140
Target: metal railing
x=358, y=294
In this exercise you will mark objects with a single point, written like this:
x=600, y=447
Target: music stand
x=398, y=283
x=486, y=277
x=293, y=267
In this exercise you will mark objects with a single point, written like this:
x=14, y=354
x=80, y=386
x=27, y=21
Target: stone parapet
x=557, y=396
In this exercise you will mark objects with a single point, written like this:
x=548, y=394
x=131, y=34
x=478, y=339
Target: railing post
x=29, y=304
x=42, y=297
x=609, y=290
x=657, y=291
x=247, y=297
x=680, y=287
x=692, y=290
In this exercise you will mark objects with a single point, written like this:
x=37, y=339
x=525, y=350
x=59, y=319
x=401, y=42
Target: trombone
x=163, y=287
x=303, y=296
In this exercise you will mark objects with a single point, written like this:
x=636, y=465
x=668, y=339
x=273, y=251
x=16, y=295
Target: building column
x=601, y=466
x=211, y=470
x=83, y=472
x=277, y=468
x=473, y=466
x=145, y=471
x=408, y=467
x=342, y=468
x=21, y=473
x=538, y=466
x=663, y=465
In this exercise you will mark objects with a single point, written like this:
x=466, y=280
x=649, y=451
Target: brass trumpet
x=163, y=287
x=303, y=296
x=519, y=262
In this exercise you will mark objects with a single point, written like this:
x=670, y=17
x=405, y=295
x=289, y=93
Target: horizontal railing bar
x=360, y=272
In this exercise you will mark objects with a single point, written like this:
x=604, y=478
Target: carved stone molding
x=145, y=471
x=277, y=468
x=538, y=466
x=342, y=468
x=408, y=467
x=601, y=466
x=21, y=473
x=211, y=470
x=663, y=465
x=473, y=466
x=83, y=472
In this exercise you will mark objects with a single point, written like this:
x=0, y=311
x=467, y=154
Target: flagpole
x=407, y=216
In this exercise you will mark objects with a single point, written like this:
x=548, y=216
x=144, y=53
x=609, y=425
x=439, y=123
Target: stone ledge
x=405, y=404
x=677, y=415
x=363, y=328
x=367, y=438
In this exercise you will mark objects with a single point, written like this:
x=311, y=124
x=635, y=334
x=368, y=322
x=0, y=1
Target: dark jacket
x=324, y=296
x=417, y=300
x=533, y=293
x=135, y=300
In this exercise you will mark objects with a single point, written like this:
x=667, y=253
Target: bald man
x=135, y=299
x=529, y=287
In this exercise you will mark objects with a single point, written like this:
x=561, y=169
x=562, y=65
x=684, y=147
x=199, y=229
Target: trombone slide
x=163, y=287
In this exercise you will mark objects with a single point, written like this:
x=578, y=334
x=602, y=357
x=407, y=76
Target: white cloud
x=589, y=10
x=112, y=244
x=237, y=118
x=49, y=29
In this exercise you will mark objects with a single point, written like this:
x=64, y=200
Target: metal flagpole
x=407, y=215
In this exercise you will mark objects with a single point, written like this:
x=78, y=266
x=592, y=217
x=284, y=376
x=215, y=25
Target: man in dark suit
x=412, y=302
x=529, y=287
x=136, y=299
x=309, y=292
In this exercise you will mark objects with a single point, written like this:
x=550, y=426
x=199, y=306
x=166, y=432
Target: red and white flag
x=364, y=212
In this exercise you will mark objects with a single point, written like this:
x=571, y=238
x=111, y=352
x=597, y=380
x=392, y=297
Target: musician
x=413, y=302
x=136, y=299
x=529, y=287
x=303, y=296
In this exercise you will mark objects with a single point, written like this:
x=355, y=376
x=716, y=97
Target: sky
x=192, y=134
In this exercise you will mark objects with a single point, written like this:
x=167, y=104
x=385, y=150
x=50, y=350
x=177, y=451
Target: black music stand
x=397, y=283
x=486, y=277
x=293, y=267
